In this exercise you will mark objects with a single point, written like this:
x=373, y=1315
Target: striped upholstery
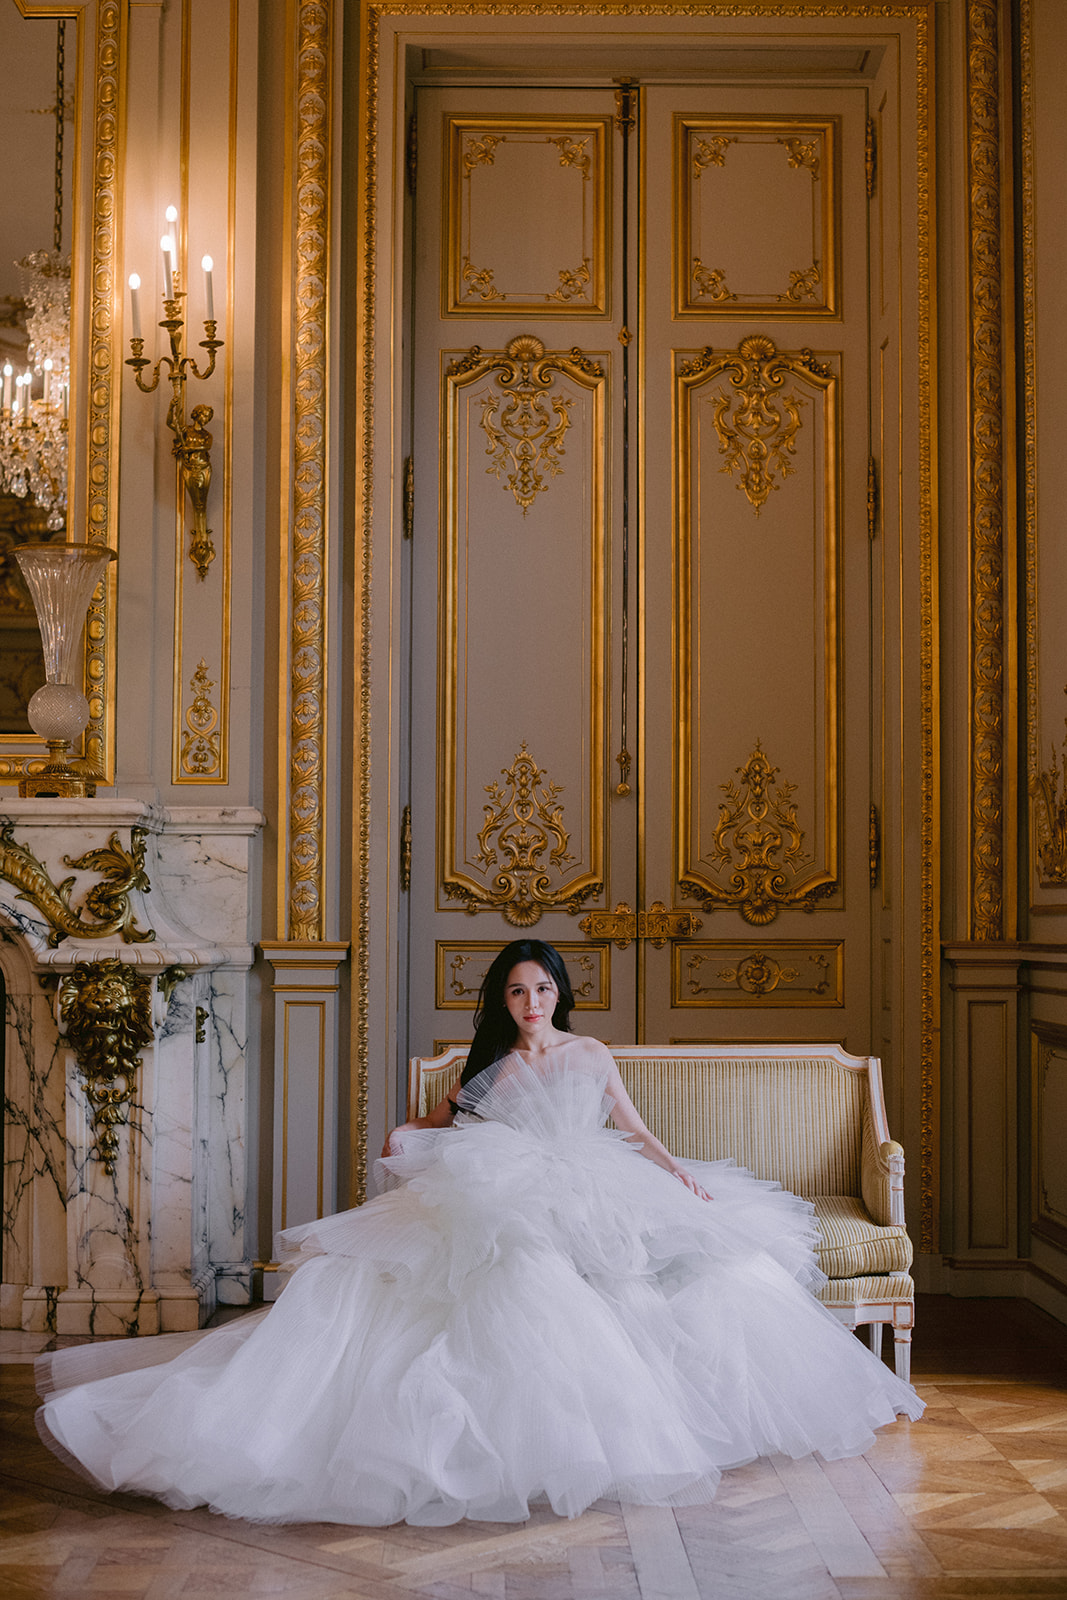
x=898, y=1286
x=795, y=1121
x=854, y=1245
x=810, y=1118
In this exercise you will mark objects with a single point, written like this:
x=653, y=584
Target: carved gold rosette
x=760, y=842
x=524, y=843
x=105, y=1010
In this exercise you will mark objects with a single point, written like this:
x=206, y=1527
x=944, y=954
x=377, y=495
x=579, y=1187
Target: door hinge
x=874, y=845
x=405, y=850
x=872, y=498
x=412, y=154
x=871, y=158
x=409, y=497
x=626, y=104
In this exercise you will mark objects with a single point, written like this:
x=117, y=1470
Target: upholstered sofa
x=810, y=1117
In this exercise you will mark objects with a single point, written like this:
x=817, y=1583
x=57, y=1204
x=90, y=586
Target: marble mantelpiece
x=156, y=1244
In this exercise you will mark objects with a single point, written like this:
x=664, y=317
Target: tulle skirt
x=529, y=1314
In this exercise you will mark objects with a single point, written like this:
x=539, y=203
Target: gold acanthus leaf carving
x=108, y=902
x=710, y=281
x=572, y=152
x=525, y=427
x=481, y=152
x=803, y=283
x=757, y=425
x=105, y=1009
x=571, y=283
x=1050, y=818
x=479, y=281
x=523, y=823
x=803, y=153
x=759, y=835
x=710, y=153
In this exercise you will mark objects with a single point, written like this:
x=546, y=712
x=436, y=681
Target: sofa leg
x=874, y=1335
x=902, y=1352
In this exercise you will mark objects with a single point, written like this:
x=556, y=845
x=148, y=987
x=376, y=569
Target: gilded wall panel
x=756, y=223
x=462, y=964
x=756, y=556
x=527, y=226
x=521, y=579
x=787, y=972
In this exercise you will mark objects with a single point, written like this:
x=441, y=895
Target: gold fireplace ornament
x=192, y=441
x=107, y=902
x=105, y=1011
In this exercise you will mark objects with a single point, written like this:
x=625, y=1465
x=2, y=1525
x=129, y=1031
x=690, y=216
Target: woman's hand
x=691, y=1184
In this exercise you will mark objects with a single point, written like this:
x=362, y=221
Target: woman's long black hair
x=494, y=1027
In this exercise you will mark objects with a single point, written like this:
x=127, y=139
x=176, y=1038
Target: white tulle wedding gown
x=531, y=1309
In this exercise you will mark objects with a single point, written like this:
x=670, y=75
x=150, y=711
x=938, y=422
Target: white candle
x=7, y=386
x=135, y=304
x=166, y=244
x=47, y=364
x=208, y=266
x=65, y=387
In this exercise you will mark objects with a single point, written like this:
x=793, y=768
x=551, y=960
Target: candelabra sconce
x=61, y=579
x=192, y=441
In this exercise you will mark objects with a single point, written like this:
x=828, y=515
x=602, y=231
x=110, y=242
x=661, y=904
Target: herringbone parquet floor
x=971, y=1501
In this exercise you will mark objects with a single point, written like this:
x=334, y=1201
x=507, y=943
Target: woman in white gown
x=537, y=1306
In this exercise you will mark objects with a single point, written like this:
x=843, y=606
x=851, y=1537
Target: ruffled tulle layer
x=535, y=1311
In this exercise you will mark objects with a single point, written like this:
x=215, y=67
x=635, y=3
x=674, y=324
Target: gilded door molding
x=522, y=494
x=765, y=165
x=558, y=248
x=763, y=404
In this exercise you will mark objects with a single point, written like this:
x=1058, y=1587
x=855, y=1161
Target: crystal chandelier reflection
x=33, y=414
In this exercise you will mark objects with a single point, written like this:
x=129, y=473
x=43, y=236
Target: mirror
x=38, y=56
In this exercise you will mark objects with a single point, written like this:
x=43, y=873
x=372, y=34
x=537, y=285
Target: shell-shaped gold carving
x=525, y=427
x=757, y=425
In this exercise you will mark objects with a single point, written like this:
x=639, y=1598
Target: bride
x=538, y=1305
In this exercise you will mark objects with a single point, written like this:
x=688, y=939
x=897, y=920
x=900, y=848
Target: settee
x=810, y=1117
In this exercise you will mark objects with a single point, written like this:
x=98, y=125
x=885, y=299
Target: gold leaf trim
x=307, y=658
x=987, y=475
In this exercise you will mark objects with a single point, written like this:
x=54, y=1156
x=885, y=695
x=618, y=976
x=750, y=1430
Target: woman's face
x=530, y=996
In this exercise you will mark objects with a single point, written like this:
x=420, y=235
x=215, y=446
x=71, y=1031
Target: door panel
x=746, y=819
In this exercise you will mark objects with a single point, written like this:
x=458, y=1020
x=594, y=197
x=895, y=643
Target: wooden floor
x=971, y=1501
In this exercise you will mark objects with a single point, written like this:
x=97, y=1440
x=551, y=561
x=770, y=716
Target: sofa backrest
x=792, y=1114
x=796, y=1120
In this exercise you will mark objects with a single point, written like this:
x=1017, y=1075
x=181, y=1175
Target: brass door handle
x=658, y=925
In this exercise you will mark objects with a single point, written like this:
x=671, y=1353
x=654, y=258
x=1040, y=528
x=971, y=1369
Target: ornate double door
x=650, y=356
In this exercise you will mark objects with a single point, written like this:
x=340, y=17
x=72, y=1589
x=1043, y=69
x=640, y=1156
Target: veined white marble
x=152, y=1246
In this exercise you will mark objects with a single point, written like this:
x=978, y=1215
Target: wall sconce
x=192, y=441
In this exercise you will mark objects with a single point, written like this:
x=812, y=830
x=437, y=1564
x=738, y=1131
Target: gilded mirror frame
x=99, y=93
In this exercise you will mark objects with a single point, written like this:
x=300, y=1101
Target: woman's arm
x=440, y=1117
x=627, y=1119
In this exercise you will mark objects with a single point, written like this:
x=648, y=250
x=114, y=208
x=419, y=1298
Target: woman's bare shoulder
x=589, y=1051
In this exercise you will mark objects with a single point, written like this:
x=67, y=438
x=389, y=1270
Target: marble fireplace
x=126, y=967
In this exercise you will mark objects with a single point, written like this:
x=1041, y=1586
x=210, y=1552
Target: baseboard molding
x=974, y=1278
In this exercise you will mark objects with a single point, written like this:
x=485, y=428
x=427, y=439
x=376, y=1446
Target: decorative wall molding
x=304, y=866
x=987, y=468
